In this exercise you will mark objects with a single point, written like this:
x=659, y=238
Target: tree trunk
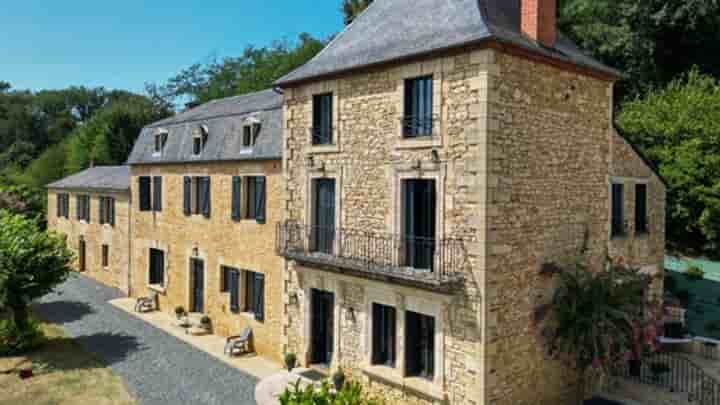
x=21, y=317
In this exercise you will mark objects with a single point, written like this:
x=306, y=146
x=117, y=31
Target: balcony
x=428, y=263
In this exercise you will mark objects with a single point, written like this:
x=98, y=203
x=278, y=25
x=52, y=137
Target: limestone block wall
x=245, y=245
x=95, y=235
x=368, y=162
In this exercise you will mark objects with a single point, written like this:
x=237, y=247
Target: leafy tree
x=48, y=167
x=24, y=200
x=679, y=129
x=653, y=41
x=352, y=8
x=32, y=263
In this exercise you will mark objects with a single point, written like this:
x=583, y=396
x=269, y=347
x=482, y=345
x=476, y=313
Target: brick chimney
x=538, y=20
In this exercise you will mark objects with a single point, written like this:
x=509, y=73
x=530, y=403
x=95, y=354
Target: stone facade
x=525, y=153
x=116, y=237
x=218, y=241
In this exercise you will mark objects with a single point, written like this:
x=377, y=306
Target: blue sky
x=123, y=44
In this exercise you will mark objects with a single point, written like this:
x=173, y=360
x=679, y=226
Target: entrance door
x=324, y=226
x=322, y=327
x=419, y=223
x=81, y=255
x=197, y=273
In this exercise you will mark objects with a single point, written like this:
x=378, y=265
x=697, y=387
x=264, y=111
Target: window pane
x=383, y=336
x=322, y=119
x=418, y=117
x=420, y=345
x=617, y=222
x=144, y=190
x=641, y=208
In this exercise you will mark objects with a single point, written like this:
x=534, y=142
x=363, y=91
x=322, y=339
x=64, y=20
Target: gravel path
x=157, y=368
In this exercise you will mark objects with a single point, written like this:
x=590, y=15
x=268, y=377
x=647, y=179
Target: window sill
x=420, y=142
x=247, y=315
x=419, y=385
x=320, y=149
x=157, y=288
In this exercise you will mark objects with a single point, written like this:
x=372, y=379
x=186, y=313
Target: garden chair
x=147, y=304
x=240, y=344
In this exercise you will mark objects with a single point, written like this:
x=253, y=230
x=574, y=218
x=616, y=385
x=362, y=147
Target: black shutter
x=412, y=334
x=101, y=209
x=157, y=193
x=235, y=208
x=249, y=291
x=378, y=335
x=87, y=208
x=617, y=210
x=259, y=291
x=112, y=212
x=234, y=284
x=260, y=197
x=144, y=189
x=205, y=196
x=187, y=199
x=641, y=208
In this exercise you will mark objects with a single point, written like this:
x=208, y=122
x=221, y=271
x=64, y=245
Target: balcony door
x=324, y=216
x=419, y=219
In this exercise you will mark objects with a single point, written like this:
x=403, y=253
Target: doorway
x=419, y=218
x=322, y=327
x=197, y=283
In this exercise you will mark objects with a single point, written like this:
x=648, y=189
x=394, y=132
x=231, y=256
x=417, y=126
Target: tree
x=352, y=8
x=24, y=200
x=653, y=41
x=679, y=129
x=32, y=263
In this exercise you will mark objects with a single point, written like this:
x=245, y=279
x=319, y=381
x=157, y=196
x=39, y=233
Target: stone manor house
x=388, y=207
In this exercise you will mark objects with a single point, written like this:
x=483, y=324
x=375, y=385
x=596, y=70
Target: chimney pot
x=538, y=20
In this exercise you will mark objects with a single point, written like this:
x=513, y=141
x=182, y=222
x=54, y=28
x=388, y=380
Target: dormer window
x=251, y=131
x=200, y=137
x=160, y=141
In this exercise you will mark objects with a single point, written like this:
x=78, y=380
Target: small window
x=160, y=141
x=419, y=345
x=383, y=336
x=418, y=116
x=255, y=198
x=200, y=138
x=63, y=206
x=641, y=214
x=255, y=294
x=144, y=189
x=157, y=267
x=196, y=196
x=618, y=220
x=250, y=134
x=322, y=130
x=105, y=255
x=107, y=210
x=83, y=208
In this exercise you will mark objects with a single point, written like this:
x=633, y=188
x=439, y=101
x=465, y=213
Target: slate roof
x=106, y=178
x=396, y=29
x=224, y=120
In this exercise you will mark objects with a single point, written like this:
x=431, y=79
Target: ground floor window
x=157, y=267
x=419, y=345
x=383, y=336
x=255, y=294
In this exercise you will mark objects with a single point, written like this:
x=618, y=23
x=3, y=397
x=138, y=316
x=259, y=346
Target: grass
x=64, y=374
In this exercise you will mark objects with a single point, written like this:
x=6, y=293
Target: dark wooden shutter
x=205, y=196
x=618, y=222
x=428, y=345
x=112, y=211
x=412, y=335
x=260, y=197
x=144, y=189
x=157, y=193
x=58, y=205
x=187, y=198
x=378, y=335
x=101, y=209
x=234, y=286
x=87, y=208
x=641, y=208
x=249, y=278
x=235, y=209
x=259, y=291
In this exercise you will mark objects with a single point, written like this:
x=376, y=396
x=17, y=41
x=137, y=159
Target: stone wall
x=219, y=240
x=95, y=235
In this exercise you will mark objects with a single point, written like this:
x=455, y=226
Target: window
x=419, y=223
x=107, y=210
x=225, y=278
x=196, y=196
x=322, y=130
x=255, y=294
x=83, y=208
x=63, y=206
x=233, y=285
x=418, y=117
x=383, y=337
x=617, y=221
x=157, y=194
x=255, y=202
x=200, y=137
x=419, y=345
x=250, y=134
x=144, y=186
x=157, y=267
x=105, y=255
x=160, y=141
x=641, y=223
x=323, y=226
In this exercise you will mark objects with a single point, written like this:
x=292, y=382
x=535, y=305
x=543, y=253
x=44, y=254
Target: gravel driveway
x=157, y=368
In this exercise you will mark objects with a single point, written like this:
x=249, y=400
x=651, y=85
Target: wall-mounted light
x=350, y=314
x=293, y=298
x=435, y=156
x=195, y=252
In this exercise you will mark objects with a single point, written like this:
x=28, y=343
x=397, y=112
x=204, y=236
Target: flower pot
x=339, y=382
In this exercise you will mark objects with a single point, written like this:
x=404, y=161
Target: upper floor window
x=107, y=210
x=418, y=116
x=255, y=294
x=150, y=190
x=322, y=129
x=200, y=137
x=82, y=207
x=63, y=206
x=617, y=223
x=160, y=140
x=641, y=214
x=250, y=134
x=196, y=196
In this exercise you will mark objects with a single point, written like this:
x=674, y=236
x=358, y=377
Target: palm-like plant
x=352, y=8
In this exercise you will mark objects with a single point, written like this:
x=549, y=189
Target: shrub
x=290, y=361
x=695, y=273
x=179, y=311
x=350, y=394
x=14, y=341
x=205, y=321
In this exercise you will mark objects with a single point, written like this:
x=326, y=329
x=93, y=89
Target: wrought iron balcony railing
x=425, y=262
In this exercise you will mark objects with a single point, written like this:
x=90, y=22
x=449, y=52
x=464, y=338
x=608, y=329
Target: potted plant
x=179, y=312
x=290, y=361
x=338, y=379
x=205, y=322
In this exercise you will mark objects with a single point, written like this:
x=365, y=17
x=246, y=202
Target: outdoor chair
x=240, y=344
x=147, y=304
